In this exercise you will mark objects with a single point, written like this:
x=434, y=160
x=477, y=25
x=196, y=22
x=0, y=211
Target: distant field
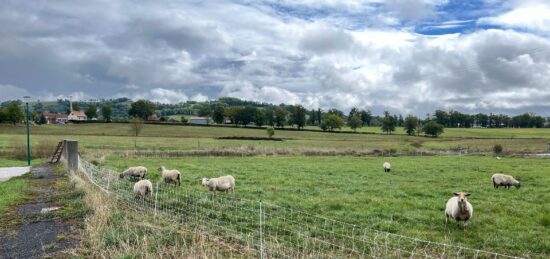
x=409, y=201
x=117, y=137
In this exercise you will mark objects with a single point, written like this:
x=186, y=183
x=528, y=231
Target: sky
x=404, y=56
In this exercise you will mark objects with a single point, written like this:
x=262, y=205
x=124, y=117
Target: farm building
x=77, y=116
x=199, y=120
x=153, y=117
x=54, y=118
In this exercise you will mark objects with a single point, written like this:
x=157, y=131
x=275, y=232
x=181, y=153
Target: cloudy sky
x=407, y=56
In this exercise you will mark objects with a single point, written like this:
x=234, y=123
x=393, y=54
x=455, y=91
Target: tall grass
x=18, y=150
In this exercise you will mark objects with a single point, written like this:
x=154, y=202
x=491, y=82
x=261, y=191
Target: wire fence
x=262, y=230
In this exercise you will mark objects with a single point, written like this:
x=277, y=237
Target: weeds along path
x=45, y=224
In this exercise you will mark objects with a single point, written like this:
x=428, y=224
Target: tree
x=366, y=117
x=270, y=131
x=298, y=116
x=141, y=109
x=331, y=121
x=246, y=115
x=442, y=117
x=312, y=117
x=13, y=113
x=204, y=110
x=352, y=113
x=218, y=114
x=91, y=111
x=432, y=128
x=232, y=113
x=136, y=125
x=76, y=107
x=280, y=117
x=410, y=124
x=355, y=122
x=107, y=112
x=259, y=118
x=336, y=112
x=388, y=123
x=270, y=116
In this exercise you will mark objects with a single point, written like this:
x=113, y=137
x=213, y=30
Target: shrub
x=497, y=149
x=270, y=131
x=433, y=129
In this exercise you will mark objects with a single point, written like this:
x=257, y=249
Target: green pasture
x=408, y=201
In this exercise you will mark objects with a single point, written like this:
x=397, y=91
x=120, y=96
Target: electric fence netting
x=263, y=230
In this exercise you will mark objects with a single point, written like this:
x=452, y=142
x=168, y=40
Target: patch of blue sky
x=459, y=16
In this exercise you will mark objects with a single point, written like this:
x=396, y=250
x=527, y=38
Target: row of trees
x=455, y=119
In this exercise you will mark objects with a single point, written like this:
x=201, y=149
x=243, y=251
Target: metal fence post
x=261, y=234
x=156, y=199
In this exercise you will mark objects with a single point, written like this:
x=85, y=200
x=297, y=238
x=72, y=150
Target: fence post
x=156, y=199
x=108, y=174
x=261, y=234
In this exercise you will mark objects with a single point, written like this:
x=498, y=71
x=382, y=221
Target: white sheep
x=387, y=167
x=505, y=180
x=170, y=176
x=459, y=208
x=136, y=171
x=223, y=183
x=142, y=188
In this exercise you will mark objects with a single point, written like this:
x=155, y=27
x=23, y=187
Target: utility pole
x=28, y=131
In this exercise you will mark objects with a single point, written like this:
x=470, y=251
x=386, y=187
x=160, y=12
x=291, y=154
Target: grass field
x=117, y=137
x=11, y=192
x=409, y=201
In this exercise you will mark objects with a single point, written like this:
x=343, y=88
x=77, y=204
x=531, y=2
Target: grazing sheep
x=223, y=183
x=142, y=188
x=459, y=208
x=498, y=158
x=136, y=171
x=504, y=180
x=387, y=167
x=170, y=176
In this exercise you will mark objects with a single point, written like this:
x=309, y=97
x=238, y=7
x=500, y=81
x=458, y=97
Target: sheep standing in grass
x=222, y=184
x=142, y=188
x=170, y=176
x=504, y=180
x=135, y=172
x=387, y=167
x=459, y=208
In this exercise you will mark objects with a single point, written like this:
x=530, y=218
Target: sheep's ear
x=467, y=194
x=456, y=194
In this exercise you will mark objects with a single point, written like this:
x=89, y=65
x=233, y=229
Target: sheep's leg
x=465, y=225
x=446, y=218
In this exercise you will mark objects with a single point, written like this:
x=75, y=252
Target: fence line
x=265, y=230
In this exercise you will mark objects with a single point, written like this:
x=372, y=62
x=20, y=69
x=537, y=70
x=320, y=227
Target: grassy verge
x=115, y=230
x=11, y=192
x=9, y=162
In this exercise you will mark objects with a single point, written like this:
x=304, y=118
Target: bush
x=497, y=149
x=270, y=132
x=433, y=129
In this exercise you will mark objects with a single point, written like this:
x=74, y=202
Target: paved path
x=8, y=172
x=36, y=235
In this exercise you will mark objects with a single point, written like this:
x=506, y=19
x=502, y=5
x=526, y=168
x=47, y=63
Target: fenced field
x=345, y=205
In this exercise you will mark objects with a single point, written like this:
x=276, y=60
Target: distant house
x=77, y=116
x=54, y=118
x=199, y=120
x=153, y=117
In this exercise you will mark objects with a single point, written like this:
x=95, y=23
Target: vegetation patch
x=250, y=138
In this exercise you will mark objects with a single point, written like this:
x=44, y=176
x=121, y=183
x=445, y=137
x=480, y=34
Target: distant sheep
x=170, y=176
x=387, y=167
x=504, y=180
x=222, y=184
x=498, y=158
x=142, y=188
x=459, y=208
x=136, y=171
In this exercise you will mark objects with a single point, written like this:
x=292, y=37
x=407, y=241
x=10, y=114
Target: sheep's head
x=161, y=168
x=204, y=181
x=517, y=184
x=462, y=197
x=121, y=175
